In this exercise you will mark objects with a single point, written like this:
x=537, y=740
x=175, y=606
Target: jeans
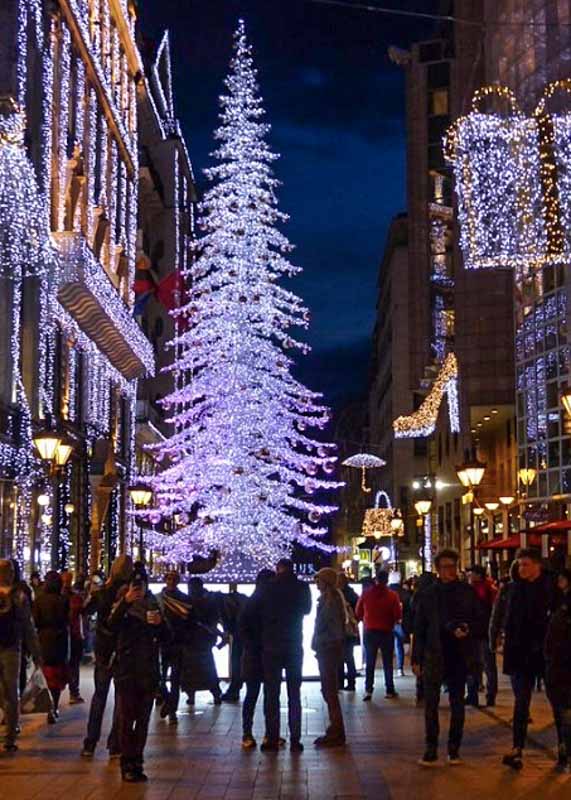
x=75, y=655
x=249, y=707
x=487, y=665
x=135, y=709
x=385, y=642
x=399, y=646
x=349, y=660
x=274, y=662
x=9, y=689
x=522, y=687
x=236, y=650
x=455, y=679
x=102, y=678
x=329, y=659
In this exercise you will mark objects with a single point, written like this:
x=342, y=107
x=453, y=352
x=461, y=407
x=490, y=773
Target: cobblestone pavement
x=202, y=757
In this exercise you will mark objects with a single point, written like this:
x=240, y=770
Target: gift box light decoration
x=422, y=422
x=496, y=162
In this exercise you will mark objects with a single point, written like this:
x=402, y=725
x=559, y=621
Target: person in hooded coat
x=51, y=617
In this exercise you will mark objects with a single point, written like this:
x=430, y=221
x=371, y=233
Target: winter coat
x=16, y=625
x=51, y=617
x=405, y=598
x=329, y=630
x=136, y=660
x=557, y=653
x=280, y=609
x=429, y=626
x=251, y=635
x=529, y=605
x=176, y=609
x=498, y=616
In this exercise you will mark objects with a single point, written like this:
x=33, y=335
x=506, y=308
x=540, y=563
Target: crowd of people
x=155, y=648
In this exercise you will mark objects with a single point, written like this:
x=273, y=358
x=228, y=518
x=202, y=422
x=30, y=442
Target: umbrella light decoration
x=364, y=461
x=377, y=521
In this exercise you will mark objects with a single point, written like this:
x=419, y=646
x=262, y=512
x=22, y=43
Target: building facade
x=90, y=126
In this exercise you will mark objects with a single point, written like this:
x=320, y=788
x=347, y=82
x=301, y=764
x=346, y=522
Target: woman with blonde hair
x=328, y=640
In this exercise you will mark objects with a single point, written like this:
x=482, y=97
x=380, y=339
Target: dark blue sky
x=336, y=106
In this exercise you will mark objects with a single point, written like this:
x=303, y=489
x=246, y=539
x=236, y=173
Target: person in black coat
x=280, y=609
x=198, y=670
x=100, y=602
x=528, y=605
x=139, y=626
x=558, y=677
x=176, y=608
x=252, y=666
x=447, y=622
x=51, y=617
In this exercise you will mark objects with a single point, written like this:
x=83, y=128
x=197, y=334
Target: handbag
x=36, y=697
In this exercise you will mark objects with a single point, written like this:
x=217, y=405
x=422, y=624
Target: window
x=439, y=102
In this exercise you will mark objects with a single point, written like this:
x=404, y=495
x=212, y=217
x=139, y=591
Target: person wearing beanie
x=100, y=602
x=328, y=640
x=16, y=630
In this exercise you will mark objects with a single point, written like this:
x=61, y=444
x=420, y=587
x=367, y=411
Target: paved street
x=202, y=758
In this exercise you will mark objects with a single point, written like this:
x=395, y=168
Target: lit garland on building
x=94, y=143
x=241, y=467
x=422, y=422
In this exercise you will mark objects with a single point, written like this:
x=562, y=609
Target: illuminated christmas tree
x=242, y=465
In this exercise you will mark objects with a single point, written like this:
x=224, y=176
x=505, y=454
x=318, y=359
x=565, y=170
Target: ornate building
x=72, y=83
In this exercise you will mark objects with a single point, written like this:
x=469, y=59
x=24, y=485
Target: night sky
x=336, y=106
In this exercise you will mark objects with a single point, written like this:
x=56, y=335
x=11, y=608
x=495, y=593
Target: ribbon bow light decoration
x=364, y=461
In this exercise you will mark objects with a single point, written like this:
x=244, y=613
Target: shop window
x=439, y=102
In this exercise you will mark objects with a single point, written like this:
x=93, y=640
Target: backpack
x=8, y=620
x=351, y=624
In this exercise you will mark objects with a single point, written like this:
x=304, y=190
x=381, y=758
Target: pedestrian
x=564, y=584
x=232, y=605
x=282, y=605
x=137, y=622
x=447, y=622
x=176, y=609
x=486, y=593
x=16, y=631
x=352, y=639
x=380, y=610
x=558, y=672
x=417, y=587
x=327, y=642
x=24, y=593
x=51, y=617
x=198, y=669
x=528, y=605
x=36, y=584
x=252, y=666
x=100, y=602
x=73, y=591
x=402, y=635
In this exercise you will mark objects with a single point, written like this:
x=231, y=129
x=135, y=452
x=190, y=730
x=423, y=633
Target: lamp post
x=526, y=476
x=470, y=475
x=55, y=450
x=397, y=526
x=141, y=496
x=422, y=507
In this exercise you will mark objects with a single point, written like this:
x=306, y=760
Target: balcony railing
x=89, y=296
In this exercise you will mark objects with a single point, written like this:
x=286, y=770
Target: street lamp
x=47, y=443
x=527, y=475
x=141, y=496
x=63, y=452
x=492, y=506
x=470, y=475
x=422, y=507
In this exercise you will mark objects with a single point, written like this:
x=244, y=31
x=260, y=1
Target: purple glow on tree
x=241, y=464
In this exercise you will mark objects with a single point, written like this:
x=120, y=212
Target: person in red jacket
x=380, y=609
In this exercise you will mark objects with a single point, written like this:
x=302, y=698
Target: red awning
x=514, y=541
x=557, y=525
